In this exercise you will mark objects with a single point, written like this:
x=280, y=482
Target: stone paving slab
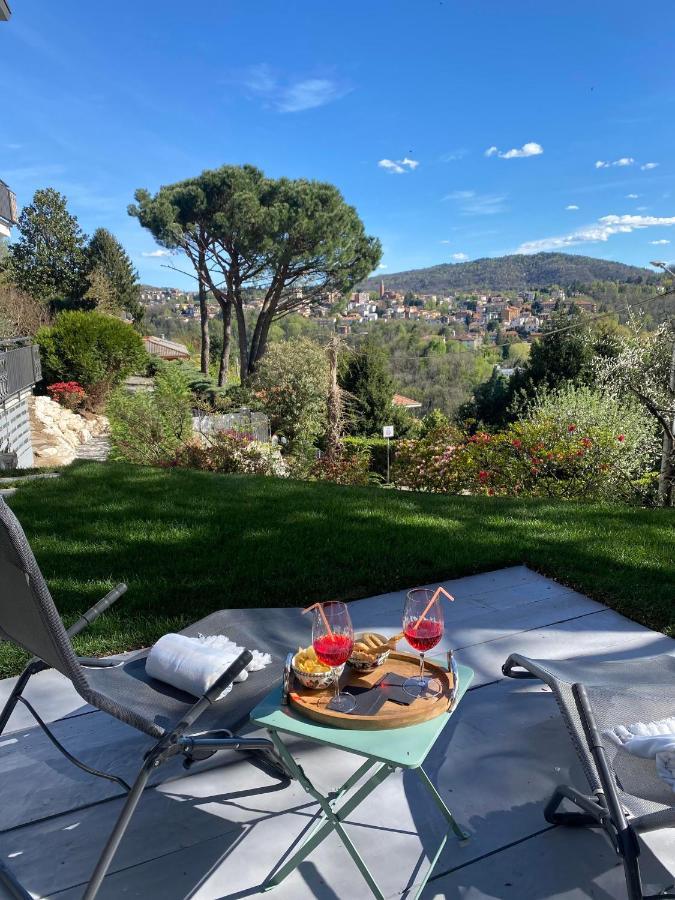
x=217, y=832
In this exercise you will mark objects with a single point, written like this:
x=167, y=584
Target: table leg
x=450, y=819
x=331, y=819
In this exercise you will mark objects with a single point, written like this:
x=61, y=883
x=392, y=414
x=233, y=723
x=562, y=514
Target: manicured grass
x=188, y=542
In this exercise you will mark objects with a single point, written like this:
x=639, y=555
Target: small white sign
x=388, y=431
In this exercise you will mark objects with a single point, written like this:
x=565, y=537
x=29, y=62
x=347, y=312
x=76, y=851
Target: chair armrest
x=92, y=614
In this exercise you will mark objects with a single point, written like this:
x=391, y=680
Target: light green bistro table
x=385, y=752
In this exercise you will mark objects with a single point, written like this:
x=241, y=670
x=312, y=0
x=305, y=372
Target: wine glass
x=423, y=629
x=333, y=642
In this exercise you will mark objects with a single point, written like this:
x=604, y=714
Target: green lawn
x=190, y=542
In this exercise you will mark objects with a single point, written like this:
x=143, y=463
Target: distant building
x=381, y=289
x=406, y=402
x=159, y=346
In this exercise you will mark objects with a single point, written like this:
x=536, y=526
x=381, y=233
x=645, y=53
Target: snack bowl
x=316, y=680
x=367, y=662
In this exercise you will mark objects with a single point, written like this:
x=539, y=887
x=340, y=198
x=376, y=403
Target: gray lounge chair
x=176, y=722
x=627, y=797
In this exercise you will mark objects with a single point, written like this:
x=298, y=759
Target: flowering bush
x=232, y=451
x=605, y=457
x=70, y=394
x=348, y=467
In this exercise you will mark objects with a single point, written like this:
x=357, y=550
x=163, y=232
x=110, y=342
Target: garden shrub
x=95, y=350
x=231, y=451
x=149, y=427
x=351, y=466
x=575, y=444
x=291, y=384
x=376, y=450
x=67, y=393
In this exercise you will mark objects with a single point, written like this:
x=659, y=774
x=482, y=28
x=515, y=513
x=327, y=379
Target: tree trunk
x=203, y=320
x=226, y=307
x=260, y=339
x=667, y=473
x=243, y=342
x=334, y=445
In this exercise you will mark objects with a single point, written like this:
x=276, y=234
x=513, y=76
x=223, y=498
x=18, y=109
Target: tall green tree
x=49, y=259
x=109, y=259
x=294, y=241
x=366, y=378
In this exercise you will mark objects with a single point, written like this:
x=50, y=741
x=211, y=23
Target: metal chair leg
x=7, y=710
x=8, y=881
x=121, y=825
x=593, y=816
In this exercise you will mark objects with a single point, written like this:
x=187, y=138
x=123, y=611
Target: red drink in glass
x=423, y=637
x=333, y=649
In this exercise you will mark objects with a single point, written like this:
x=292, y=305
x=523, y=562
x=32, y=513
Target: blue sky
x=458, y=129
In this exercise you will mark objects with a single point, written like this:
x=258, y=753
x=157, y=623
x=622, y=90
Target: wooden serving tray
x=313, y=703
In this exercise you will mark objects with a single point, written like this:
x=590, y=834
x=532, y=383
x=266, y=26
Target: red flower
x=621, y=438
x=587, y=442
x=571, y=428
x=517, y=443
x=483, y=475
x=491, y=492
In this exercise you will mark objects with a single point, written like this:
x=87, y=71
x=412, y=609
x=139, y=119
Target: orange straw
x=322, y=613
x=439, y=590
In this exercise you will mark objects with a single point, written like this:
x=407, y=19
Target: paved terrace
x=217, y=832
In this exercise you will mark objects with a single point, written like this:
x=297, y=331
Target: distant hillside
x=504, y=273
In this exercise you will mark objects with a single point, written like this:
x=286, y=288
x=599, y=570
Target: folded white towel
x=653, y=740
x=193, y=664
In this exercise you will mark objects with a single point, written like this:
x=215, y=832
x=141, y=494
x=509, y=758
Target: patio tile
x=602, y=635
x=217, y=832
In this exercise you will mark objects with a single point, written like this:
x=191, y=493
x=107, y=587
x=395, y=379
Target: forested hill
x=504, y=273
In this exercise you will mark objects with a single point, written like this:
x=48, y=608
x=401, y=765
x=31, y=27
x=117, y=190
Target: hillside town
x=471, y=319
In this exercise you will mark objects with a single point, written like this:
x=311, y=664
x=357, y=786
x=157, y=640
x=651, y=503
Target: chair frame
x=179, y=740
x=603, y=809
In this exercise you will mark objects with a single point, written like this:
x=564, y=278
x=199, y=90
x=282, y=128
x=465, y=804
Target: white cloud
x=153, y=253
x=529, y=149
x=445, y=242
x=632, y=196
x=606, y=164
x=649, y=165
x=602, y=230
x=398, y=166
x=572, y=206
x=460, y=257
x=659, y=243
x=472, y=204
x=291, y=95
x=453, y=155
x=382, y=266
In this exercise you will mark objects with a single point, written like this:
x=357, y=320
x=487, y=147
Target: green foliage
x=575, y=444
x=490, y=404
x=366, y=378
x=352, y=467
x=96, y=350
x=149, y=427
x=504, y=273
x=375, y=450
x=292, y=240
x=436, y=420
x=48, y=261
x=292, y=386
x=108, y=257
x=232, y=452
